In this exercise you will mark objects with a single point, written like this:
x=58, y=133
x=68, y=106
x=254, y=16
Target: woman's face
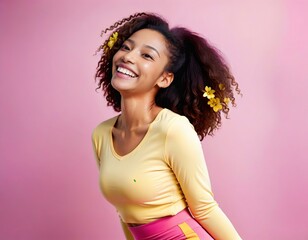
x=139, y=65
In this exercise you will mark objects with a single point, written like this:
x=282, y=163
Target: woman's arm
x=96, y=143
x=185, y=156
x=126, y=231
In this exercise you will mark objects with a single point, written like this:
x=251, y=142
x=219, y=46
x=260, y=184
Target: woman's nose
x=129, y=57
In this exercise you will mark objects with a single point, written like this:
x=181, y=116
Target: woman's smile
x=123, y=71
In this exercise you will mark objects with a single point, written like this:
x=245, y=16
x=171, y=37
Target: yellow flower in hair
x=215, y=104
x=226, y=100
x=209, y=92
x=221, y=86
x=112, y=39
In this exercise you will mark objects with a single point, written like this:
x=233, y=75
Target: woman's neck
x=137, y=113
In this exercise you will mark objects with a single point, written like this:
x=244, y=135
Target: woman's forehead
x=150, y=38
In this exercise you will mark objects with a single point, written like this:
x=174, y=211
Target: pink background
x=48, y=175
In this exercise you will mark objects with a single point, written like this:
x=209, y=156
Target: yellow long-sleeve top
x=163, y=175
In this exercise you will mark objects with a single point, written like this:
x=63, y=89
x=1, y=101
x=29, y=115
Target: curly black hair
x=195, y=64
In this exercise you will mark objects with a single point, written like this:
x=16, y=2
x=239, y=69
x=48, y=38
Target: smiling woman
x=171, y=86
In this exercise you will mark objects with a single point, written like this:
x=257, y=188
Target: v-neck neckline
x=139, y=145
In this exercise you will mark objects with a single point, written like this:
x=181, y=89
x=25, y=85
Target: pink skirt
x=179, y=227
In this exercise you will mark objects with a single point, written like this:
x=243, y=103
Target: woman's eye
x=125, y=47
x=148, y=56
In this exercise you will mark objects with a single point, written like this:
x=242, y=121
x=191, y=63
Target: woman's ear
x=166, y=80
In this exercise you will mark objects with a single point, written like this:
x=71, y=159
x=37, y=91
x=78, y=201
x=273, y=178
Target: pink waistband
x=160, y=225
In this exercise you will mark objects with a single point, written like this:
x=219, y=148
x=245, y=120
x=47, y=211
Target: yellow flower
x=215, y=104
x=226, y=100
x=209, y=92
x=112, y=39
x=222, y=87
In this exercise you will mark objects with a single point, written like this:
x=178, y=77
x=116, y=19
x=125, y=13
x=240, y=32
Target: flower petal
x=226, y=100
x=221, y=86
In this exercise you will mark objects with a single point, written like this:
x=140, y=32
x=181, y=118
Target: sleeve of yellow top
x=95, y=144
x=95, y=148
x=184, y=155
x=127, y=233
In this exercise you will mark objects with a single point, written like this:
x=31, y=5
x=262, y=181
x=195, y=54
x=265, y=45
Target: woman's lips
x=126, y=70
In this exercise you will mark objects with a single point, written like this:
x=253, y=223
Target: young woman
x=170, y=86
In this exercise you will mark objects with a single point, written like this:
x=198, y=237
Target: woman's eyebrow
x=131, y=41
x=147, y=46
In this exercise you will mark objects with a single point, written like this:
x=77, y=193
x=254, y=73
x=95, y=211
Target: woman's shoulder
x=104, y=126
x=170, y=119
x=177, y=128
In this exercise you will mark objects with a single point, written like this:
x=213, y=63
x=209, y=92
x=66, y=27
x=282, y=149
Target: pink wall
x=48, y=176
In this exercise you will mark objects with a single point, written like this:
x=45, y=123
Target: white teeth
x=126, y=71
